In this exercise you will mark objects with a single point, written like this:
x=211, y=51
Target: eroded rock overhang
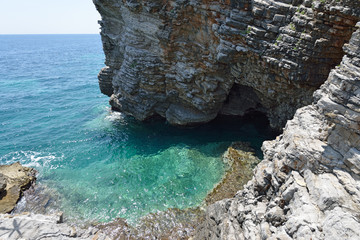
x=189, y=61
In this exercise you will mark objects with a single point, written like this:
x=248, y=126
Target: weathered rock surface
x=34, y=226
x=308, y=185
x=188, y=61
x=14, y=179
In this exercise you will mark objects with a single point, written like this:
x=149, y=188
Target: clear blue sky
x=48, y=16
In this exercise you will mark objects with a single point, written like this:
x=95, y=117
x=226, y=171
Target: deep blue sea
x=102, y=164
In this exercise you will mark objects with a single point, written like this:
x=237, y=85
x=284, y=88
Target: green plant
x=248, y=30
x=292, y=26
x=133, y=64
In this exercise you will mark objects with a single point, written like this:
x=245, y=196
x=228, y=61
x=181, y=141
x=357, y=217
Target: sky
x=48, y=17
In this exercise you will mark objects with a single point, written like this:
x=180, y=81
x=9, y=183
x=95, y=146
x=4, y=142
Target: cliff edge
x=189, y=61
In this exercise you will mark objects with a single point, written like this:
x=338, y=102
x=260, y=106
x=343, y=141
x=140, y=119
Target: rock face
x=35, y=226
x=308, y=185
x=190, y=60
x=14, y=179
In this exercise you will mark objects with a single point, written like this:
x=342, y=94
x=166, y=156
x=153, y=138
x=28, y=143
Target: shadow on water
x=121, y=167
x=154, y=135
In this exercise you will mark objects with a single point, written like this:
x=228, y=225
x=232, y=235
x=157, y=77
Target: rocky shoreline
x=258, y=52
x=308, y=185
x=189, y=61
x=37, y=216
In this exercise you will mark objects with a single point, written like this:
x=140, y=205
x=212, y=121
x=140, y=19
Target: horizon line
x=50, y=33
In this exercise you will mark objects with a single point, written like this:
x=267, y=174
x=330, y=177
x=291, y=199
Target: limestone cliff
x=190, y=60
x=308, y=185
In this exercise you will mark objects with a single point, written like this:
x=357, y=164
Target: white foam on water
x=105, y=119
x=114, y=116
x=32, y=159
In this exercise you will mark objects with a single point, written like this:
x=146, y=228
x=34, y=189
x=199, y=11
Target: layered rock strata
x=308, y=185
x=189, y=61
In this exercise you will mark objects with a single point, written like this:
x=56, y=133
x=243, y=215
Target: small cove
x=102, y=164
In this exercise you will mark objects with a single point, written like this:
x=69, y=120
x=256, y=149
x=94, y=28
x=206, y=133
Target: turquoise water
x=103, y=164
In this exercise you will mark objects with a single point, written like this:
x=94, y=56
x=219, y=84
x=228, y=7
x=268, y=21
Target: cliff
x=308, y=185
x=189, y=61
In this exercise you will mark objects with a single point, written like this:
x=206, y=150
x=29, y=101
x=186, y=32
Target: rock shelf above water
x=14, y=179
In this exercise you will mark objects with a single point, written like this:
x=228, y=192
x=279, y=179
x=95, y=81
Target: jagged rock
x=189, y=61
x=3, y=184
x=14, y=179
x=105, y=81
x=308, y=185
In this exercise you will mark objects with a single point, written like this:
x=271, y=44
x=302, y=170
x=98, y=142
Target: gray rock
x=308, y=185
x=197, y=55
x=3, y=184
x=35, y=226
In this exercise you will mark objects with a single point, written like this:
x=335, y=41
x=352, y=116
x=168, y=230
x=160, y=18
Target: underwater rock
x=14, y=179
x=241, y=161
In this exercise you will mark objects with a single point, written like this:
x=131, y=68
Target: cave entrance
x=241, y=101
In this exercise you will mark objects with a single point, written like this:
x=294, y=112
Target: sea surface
x=102, y=164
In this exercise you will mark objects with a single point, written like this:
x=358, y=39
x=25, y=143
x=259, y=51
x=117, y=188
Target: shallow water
x=102, y=164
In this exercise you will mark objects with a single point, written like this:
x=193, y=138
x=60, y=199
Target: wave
x=105, y=119
x=32, y=159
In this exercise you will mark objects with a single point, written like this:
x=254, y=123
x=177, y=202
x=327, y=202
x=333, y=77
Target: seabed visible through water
x=95, y=164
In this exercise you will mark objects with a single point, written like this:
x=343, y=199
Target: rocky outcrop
x=308, y=185
x=189, y=61
x=14, y=179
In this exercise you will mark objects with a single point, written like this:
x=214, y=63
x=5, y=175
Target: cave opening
x=242, y=101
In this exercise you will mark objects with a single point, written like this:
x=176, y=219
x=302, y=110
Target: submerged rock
x=14, y=179
x=241, y=161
